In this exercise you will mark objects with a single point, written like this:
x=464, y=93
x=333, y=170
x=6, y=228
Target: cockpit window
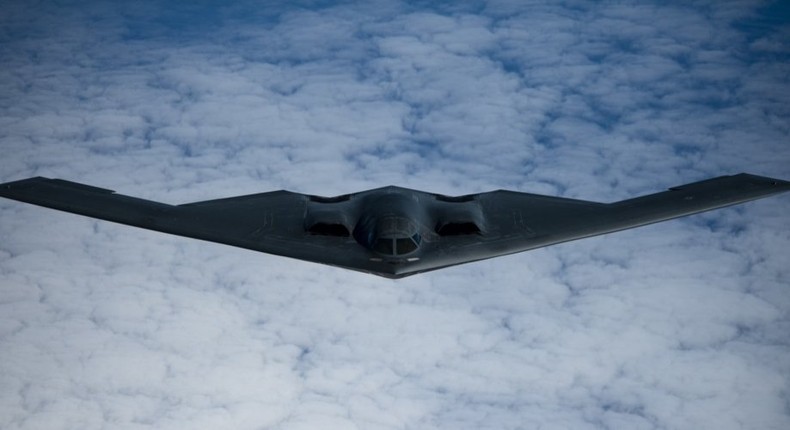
x=383, y=245
x=404, y=245
x=397, y=246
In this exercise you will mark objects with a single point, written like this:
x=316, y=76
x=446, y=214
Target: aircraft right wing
x=516, y=222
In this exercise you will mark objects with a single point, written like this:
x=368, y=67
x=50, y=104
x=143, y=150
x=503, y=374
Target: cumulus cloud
x=676, y=325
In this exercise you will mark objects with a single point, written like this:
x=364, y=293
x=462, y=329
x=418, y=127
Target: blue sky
x=677, y=325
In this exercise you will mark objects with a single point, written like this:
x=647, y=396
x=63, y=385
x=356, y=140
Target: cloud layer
x=677, y=325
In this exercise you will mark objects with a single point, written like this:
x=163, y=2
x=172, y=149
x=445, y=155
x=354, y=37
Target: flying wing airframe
x=392, y=231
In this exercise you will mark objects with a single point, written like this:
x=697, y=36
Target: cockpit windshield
x=383, y=245
x=397, y=246
x=405, y=246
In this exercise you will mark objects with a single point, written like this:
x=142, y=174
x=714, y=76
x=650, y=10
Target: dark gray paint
x=346, y=231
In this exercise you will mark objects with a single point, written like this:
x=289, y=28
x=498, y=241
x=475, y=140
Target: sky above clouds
x=673, y=326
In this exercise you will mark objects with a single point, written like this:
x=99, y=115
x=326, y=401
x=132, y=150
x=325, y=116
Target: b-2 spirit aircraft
x=392, y=232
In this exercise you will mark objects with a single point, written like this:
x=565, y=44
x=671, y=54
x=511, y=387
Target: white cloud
x=678, y=325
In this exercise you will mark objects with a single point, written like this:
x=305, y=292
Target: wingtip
x=21, y=183
x=9, y=189
x=779, y=184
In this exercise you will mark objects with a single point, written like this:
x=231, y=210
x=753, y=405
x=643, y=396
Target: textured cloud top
x=679, y=325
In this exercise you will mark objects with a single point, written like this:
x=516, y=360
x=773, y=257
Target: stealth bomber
x=392, y=231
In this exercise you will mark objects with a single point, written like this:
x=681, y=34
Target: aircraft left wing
x=270, y=222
